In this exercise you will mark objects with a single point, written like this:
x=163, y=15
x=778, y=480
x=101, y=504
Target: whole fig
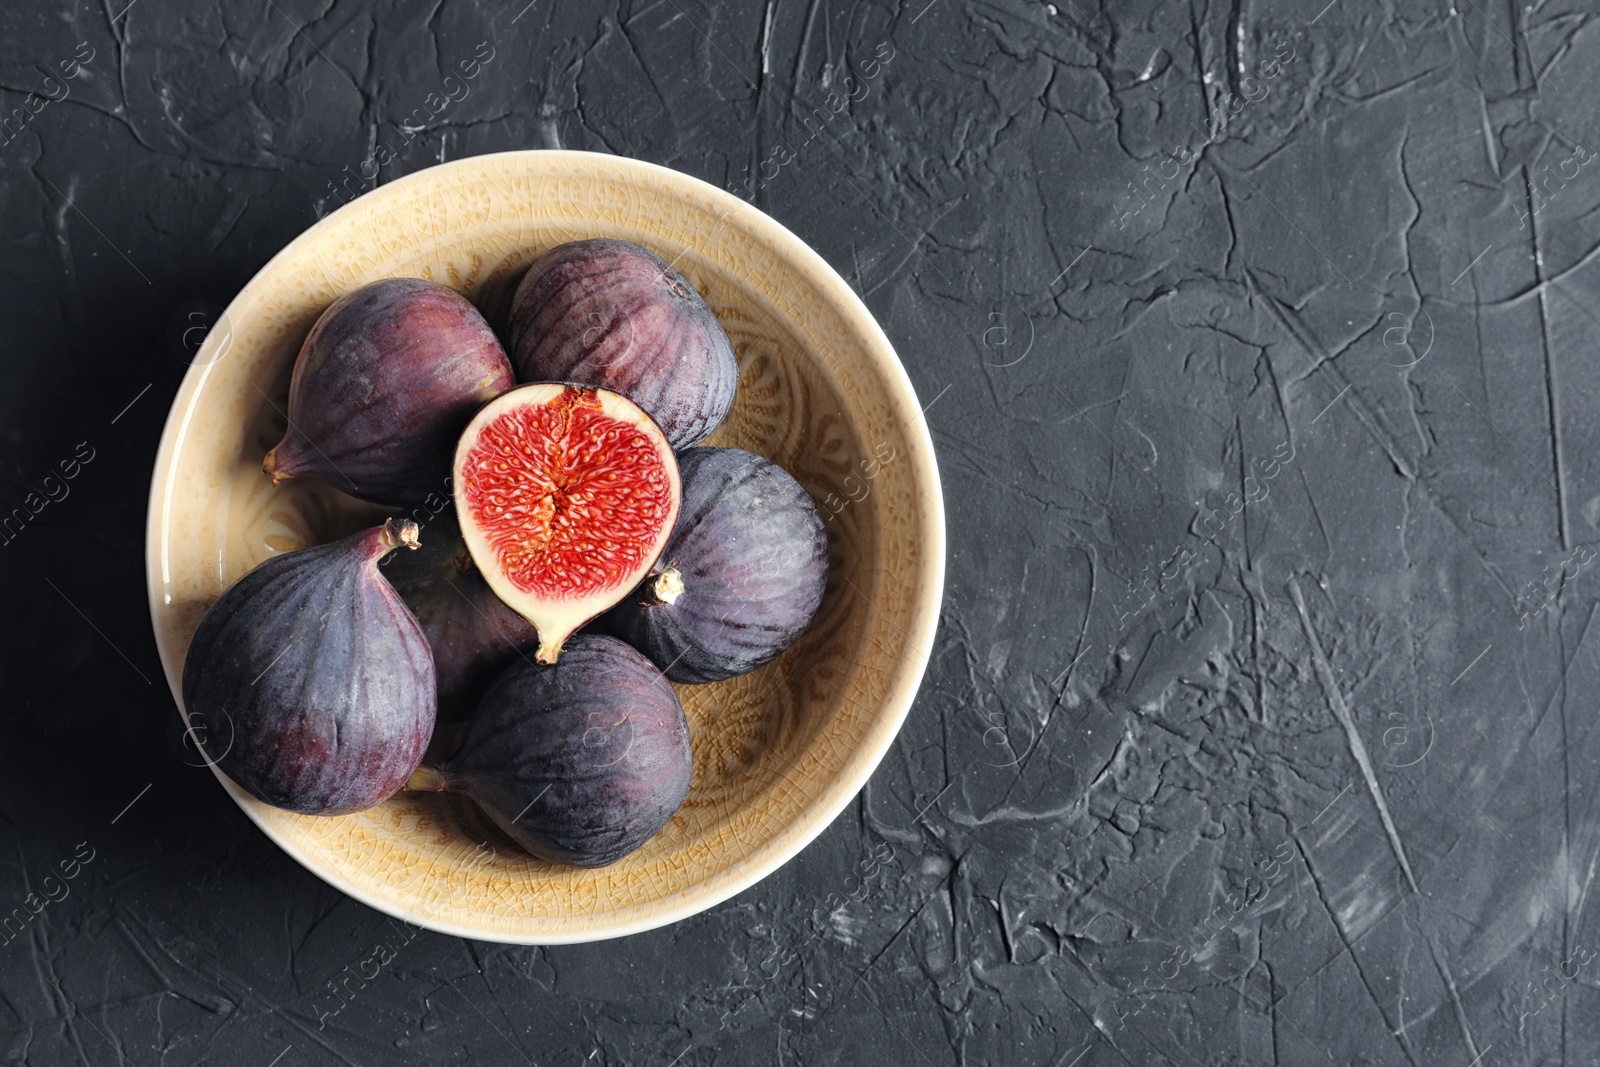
x=322, y=673
x=741, y=576
x=614, y=315
x=384, y=384
x=580, y=762
x=472, y=632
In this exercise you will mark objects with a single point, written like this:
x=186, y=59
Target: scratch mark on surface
x=1471, y=665
x=1552, y=412
x=1331, y=803
x=132, y=402
x=319, y=51
x=1332, y=402
x=1509, y=441
x=1109, y=441
x=766, y=43
x=1314, y=247
x=1069, y=266
x=1358, y=747
x=1454, y=991
x=1509, y=839
x=1350, y=951
x=1071, y=665
x=85, y=1018
x=97, y=229
x=709, y=41
x=1474, y=263
x=97, y=629
x=934, y=801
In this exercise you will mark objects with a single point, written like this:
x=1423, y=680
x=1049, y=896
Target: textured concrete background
x=1259, y=346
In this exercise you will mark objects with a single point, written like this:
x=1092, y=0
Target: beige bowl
x=777, y=753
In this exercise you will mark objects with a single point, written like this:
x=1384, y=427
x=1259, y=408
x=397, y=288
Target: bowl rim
x=820, y=812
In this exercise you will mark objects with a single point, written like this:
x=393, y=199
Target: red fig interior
x=566, y=496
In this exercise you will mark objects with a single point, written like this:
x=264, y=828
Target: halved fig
x=384, y=383
x=566, y=496
x=321, y=672
x=614, y=315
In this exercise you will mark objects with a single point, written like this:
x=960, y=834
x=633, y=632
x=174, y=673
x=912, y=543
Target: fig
x=382, y=387
x=323, y=674
x=614, y=315
x=740, y=578
x=566, y=496
x=580, y=762
x=471, y=631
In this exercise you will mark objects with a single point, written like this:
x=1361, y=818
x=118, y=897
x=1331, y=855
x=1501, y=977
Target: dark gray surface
x=1313, y=780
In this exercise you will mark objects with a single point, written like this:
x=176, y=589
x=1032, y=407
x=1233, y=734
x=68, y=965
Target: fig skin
x=614, y=315
x=472, y=633
x=741, y=577
x=383, y=386
x=580, y=762
x=322, y=673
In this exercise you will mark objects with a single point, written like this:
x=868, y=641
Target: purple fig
x=322, y=675
x=740, y=578
x=580, y=762
x=614, y=315
x=472, y=632
x=383, y=386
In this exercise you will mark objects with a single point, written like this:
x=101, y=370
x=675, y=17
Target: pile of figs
x=578, y=550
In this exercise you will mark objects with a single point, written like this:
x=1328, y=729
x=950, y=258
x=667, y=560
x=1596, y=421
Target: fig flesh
x=581, y=762
x=565, y=496
x=614, y=315
x=382, y=387
x=322, y=673
x=739, y=580
x=473, y=634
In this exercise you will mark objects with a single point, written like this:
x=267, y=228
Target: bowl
x=779, y=752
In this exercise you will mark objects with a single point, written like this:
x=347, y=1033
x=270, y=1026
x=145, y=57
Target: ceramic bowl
x=777, y=753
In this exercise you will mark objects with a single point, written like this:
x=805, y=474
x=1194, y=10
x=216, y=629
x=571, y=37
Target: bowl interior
x=777, y=753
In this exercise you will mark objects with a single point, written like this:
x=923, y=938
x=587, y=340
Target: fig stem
x=426, y=780
x=548, y=649
x=667, y=587
x=269, y=465
x=400, y=532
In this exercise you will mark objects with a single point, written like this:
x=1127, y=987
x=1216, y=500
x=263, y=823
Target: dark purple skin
x=321, y=674
x=386, y=381
x=752, y=555
x=473, y=634
x=580, y=762
x=612, y=314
